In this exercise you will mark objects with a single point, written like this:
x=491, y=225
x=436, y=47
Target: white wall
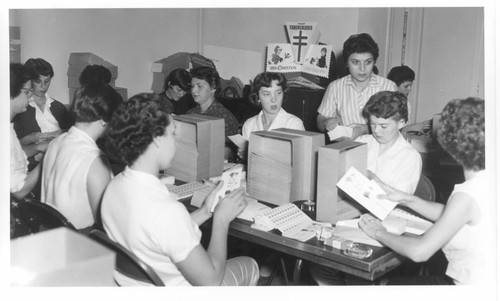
x=134, y=38
x=443, y=42
x=129, y=38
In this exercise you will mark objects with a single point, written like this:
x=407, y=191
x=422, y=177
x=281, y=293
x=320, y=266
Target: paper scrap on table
x=253, y=208
x=365, y=192
x=340, y=131
x=238, y=140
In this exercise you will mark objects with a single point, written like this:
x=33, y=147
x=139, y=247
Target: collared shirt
x=282, y=120
x=343, y=99
x=46, y=121
x=216, y=109
x=399, y=166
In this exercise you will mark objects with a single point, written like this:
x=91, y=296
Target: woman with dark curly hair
x=141, y=214
x=462, y=227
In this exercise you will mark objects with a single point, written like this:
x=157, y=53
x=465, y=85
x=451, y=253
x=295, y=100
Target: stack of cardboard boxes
x=184, y=60
x=78, y=61
x=200, y=148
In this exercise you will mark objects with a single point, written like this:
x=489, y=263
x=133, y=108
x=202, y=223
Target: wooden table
x=378, y=264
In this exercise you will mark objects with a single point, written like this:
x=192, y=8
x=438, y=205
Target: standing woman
x=177, y=85
x=462, y=227
x=21, y=181
x=75, y=171
x=45, y=117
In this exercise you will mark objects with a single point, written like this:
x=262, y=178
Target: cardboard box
x=158, y=84
x=276, y=167
x=83, y=58
x=200, y=147
x=60, y=257
x=217, y=141
x=123, y=92
x=313, y=141
x=183, y=60
x=333, y=161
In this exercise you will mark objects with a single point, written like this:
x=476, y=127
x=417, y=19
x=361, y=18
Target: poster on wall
x=302, y=54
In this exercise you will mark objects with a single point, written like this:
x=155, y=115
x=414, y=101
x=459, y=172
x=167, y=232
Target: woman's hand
x=370, y=225
x=242, y=153
x=331, y=123
x=34, y=137
x=210, y=199
x=231, y=206
x=392, y=194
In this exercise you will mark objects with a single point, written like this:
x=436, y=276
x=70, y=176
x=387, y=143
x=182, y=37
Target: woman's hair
x=265, y=79
x=277, y=48
x=401, y=74
x=462, y=132
x=179, y=77
x=360, y=43
x=135, y=124
x=18, y=77
x=95, y=74
x=387, y=104
x=210, y=75
x=94, y=102
x=39, y=67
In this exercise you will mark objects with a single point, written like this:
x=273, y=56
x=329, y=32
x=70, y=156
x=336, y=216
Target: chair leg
x=283, y=268
x=296, y=271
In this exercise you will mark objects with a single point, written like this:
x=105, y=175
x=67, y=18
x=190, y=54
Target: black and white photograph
x=125, y=119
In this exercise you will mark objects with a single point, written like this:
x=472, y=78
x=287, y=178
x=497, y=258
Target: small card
x=340, y=131
x=238, y=140
x=232, y=181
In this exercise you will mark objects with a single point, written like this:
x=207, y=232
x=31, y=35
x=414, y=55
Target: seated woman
x=45, y=117
x=141, y=214
x=22, y=182
x=268, y=91
x=75, y=171
x=390, y=157
x=205, y=82
x=463, y=227
x=177, y=85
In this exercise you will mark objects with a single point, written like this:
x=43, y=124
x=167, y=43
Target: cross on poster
x=302, y=54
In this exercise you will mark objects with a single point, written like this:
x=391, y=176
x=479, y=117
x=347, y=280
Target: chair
x=126, y=262
x=31, y=216
x=425, y=189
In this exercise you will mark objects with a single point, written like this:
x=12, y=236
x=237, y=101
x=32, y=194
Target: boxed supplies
x=183, y=60
x=314, y=141
x=276, y=167
x=200, y=147
x=333, y=161
x=60, y=257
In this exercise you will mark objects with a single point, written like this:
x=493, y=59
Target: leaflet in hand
x=340, y=131
x=232, y=181
x=365, y=192
x=238, y=140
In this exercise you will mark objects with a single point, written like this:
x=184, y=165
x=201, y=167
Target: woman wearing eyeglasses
x=21, y=181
